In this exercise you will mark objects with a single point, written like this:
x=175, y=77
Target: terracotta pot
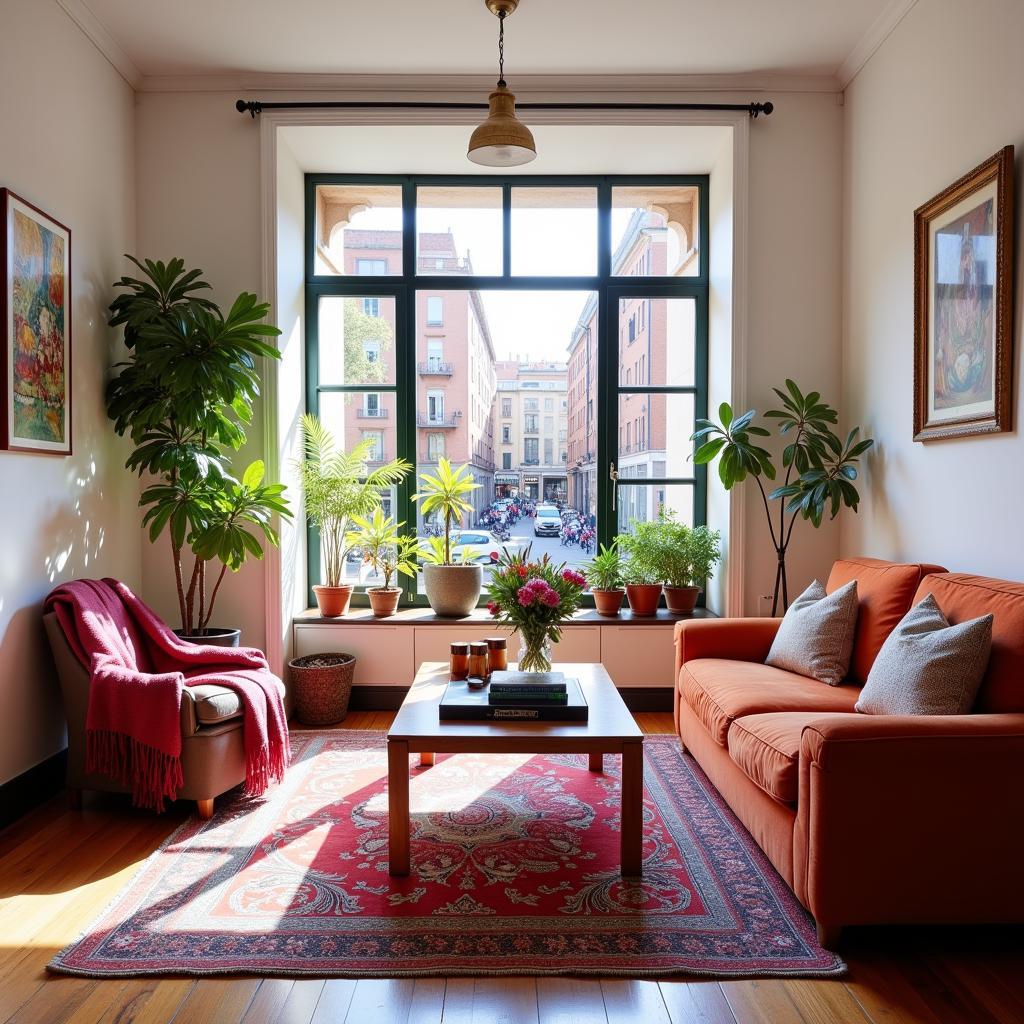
x=681, y=600
x=643, y=598
x=608, y=602
x=453, y=590
x=333, y=601
x=384, y=602
x=214, y=636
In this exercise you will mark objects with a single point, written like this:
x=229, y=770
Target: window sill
x=420, y=616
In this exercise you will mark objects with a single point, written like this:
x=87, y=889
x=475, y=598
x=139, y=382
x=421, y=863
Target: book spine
x=557, y=713
x=500, y=692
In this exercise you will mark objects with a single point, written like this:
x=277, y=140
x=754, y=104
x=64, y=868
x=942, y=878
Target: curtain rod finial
x=253, y=107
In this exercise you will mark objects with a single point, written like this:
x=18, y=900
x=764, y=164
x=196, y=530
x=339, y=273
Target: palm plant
x=338, y=486
x=604, y=571
x=184, y=397
x=384, y=546
x=820, y=467
x=444, y=491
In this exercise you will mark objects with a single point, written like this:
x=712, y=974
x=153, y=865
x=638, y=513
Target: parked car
x=547, y=522
x=474, y=546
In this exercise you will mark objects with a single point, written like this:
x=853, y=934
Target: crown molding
x=94, y=30
x=410, y=86
x=881, y=28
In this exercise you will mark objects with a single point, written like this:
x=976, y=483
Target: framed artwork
x=35, y=303
x=963, y=305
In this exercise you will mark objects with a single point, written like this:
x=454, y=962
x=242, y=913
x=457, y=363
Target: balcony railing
x=435, y=368
x=439, y=422
x=430, y=458
x=372, y=414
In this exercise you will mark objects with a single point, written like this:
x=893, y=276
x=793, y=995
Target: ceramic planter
x=333, y=601
x=681, y=600
x=453, y=590
x=384, y=602
x=643, y=598
x=214, y=636
x=608, y=602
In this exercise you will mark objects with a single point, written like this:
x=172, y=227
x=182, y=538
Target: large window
x=551, y=333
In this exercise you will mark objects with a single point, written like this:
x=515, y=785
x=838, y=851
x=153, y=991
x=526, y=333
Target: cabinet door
x=384, y=654
x=433, y=643
x=638, y=655
x=579, y=644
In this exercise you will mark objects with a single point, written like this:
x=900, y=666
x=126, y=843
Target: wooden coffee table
x=610, y=730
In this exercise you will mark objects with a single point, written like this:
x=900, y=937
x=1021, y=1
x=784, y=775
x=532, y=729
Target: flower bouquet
x=535, y=598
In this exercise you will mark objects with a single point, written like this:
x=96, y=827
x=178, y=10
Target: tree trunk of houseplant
x=453, y=590
x=608, y=602
x=384, y=600
x=681, y=600
x=333, y=601
x=643, y=598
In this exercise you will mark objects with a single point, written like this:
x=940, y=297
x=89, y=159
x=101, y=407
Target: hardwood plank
x=301, y=1003
x=627, y=1001
x=55, y=1001
x=696, y=1002
x=224, y=1000
x=822, y=1001
x=334, y=1001
x=490, y=1001
x=269, y=1000
x=761, y=1001
x=149, y=1001
x=381, y=999
x=570, y=1001
x=427, y=1001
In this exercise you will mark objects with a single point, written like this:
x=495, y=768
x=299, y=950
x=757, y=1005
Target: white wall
x=66, y=121
x=941, y=95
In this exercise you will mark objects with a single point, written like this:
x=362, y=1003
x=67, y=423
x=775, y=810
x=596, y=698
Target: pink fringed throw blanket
x=139, y=669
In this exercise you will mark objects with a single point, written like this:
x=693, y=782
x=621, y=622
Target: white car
x=474, y=546
x=547, y=522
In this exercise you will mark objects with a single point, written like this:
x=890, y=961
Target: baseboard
x=27, y=791
x=389, y=698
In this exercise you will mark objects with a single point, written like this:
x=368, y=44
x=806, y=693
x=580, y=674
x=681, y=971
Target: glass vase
x=535, y=653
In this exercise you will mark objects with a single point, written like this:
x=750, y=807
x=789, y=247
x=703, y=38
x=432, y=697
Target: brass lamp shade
x=502, y=140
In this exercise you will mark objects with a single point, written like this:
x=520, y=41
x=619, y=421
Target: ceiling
x=608, y=37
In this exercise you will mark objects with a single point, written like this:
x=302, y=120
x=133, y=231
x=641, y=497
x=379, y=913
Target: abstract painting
x=36, y=308
x=964, y=304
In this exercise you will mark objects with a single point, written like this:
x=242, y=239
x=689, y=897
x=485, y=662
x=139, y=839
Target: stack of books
x=544, y=689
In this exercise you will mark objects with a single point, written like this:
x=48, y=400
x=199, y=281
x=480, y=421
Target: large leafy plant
x=184, y=397
x=820, y=467
x=337, y=487
x=445, y=491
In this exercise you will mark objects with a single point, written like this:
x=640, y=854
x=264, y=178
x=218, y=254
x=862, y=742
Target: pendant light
x=502, y=140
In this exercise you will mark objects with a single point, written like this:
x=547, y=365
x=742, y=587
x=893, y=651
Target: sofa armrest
x=736, y=639
x=915, y=819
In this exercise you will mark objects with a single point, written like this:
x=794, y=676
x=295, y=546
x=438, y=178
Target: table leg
x=398, y=807
x=596, y=762
x=426, y=760
x=631, y=836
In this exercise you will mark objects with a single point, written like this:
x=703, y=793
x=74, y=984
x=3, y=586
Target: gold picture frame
x=963, y=305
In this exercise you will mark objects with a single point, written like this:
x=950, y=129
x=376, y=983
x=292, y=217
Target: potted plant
x=452, y=590
x=604, y=574
x=389, y=552
x=642, y=569
x=183, y=397
x=337, y=486
x=687, y=558
x=535, y=598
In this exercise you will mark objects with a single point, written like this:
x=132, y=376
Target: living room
x=780, y=791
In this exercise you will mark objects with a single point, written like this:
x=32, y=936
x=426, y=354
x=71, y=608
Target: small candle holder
x=497, y=654
x=478, y=659
x=459, y=660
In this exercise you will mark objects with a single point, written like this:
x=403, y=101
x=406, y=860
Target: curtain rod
x=254, y=107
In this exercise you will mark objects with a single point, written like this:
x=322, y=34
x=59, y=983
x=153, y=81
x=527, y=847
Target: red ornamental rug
x=515, y=871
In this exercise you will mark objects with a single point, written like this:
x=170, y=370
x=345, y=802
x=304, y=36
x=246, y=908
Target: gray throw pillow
x=815, y=637
x=928, y=667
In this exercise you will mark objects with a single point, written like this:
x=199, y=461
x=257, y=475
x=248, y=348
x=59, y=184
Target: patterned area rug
x=515, y=871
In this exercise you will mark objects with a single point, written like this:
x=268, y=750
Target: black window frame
x=403, y=287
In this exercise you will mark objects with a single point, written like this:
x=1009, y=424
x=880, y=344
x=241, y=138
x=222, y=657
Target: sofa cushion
x=962, y=597
x=815, y=637
x=885, y=592
x=215, y=703
x=767, y=749
x=719, y=691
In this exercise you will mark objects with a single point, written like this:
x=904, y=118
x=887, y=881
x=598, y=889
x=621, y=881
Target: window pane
x=353, y=416
x=358, y=230
x=459, y=229
x=654, y=435
x=636, y=503
x=356, y=570
x=582, y=412
x=357, y=339
x=657, y=342
x=554, y=231
x=654, y=231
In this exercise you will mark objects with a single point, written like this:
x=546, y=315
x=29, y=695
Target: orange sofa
x=870, y=819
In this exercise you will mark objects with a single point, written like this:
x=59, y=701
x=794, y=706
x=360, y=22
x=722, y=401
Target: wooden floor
x=59, y=869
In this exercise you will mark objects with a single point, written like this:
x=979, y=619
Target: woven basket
x=322, y=685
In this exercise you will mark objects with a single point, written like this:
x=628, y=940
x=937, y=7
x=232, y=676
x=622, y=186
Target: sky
x=536, y=325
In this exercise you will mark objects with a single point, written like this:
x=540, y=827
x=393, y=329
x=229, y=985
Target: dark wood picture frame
x=984, y=364
x=9, y=439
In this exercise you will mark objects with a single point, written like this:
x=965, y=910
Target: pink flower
x=576, y=578
x=526, y=596
x=493, y=607
x=550, y=598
